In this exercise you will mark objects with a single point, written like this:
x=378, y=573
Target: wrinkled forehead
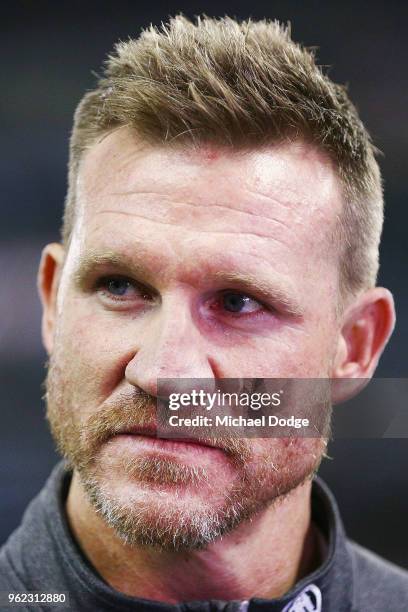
x=288, y=191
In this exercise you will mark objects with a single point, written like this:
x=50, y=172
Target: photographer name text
x=238, y=421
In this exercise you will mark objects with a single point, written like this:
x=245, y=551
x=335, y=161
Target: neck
x=263, y=558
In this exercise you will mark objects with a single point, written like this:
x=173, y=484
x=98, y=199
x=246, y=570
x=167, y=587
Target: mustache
x=130, y=411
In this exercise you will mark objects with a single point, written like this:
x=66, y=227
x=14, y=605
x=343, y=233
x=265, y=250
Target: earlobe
x=367, y=326
x=49, y=272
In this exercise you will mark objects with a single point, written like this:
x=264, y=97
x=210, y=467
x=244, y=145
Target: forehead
x=279, y=202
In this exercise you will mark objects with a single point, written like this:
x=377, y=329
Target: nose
x=172, y=356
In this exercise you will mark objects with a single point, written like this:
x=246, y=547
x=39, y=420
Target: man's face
x=196, y=264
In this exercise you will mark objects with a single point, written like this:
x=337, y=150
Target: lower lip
x=139, y=443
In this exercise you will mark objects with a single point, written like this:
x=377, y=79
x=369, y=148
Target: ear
x=366, y=328
x=52, y=259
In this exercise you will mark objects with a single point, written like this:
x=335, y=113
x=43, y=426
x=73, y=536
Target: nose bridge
x=175, y=334
x=172, y=349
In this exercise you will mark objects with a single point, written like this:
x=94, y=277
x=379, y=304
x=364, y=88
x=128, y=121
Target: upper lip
x=145, y=430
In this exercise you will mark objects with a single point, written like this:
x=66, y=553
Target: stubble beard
x=172, y=506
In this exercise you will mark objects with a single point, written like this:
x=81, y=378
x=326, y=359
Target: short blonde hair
x=237, y=84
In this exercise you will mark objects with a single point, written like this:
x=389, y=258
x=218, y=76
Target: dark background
x=48, y=50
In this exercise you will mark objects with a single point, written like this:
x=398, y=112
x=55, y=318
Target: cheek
x=91, y=353
x=289, y=457
x=291, y=353
x=310, y=353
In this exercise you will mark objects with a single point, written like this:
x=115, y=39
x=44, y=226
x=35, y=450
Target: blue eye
x=121, y=289
x=117, y=286
x=239, y=303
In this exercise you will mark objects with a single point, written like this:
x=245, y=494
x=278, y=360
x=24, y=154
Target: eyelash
x=241, y=315
x=101, y=285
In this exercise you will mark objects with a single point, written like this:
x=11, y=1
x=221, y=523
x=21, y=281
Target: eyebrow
x=94, y=260
x=268, y=289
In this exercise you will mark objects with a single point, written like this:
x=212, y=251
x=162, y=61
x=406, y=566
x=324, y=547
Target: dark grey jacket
x=42, y=556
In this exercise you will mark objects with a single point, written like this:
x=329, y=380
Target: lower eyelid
x=135, y=295
x=111, y=296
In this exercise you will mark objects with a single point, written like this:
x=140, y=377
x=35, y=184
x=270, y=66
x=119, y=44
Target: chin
x=163, y=504
x=162, y=516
